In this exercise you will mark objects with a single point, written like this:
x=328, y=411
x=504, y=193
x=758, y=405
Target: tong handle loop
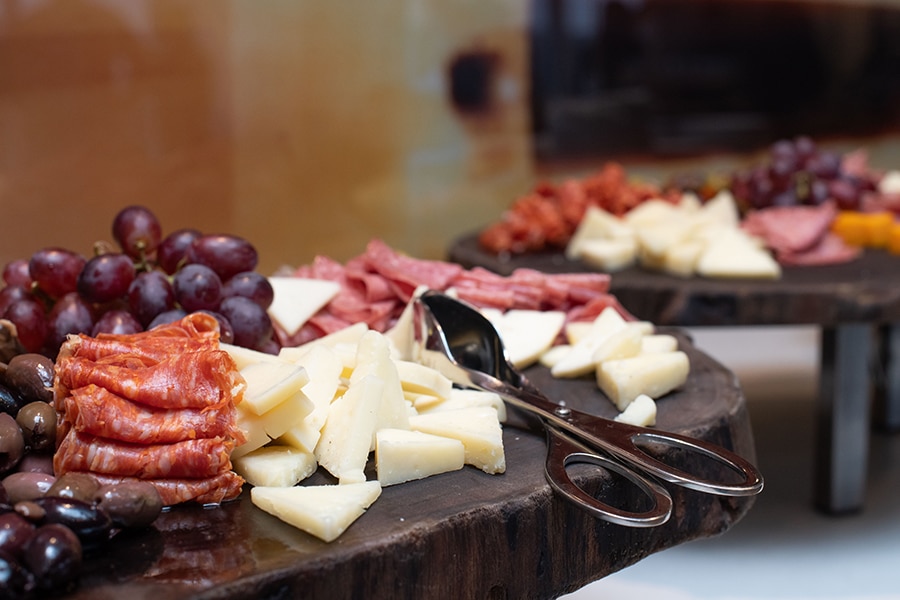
x=563, y=451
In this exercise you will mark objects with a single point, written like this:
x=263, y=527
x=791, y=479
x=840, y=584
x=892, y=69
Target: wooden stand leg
x=843, y=418
x=886, y=414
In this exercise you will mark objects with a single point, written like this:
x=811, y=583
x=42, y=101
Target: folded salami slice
x=201, y=458
x=193, y=380
x=97, y=411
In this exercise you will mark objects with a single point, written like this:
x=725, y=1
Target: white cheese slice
x=325, y=511
x=324, y=368
x=270, y=383
x=478, y=428
x=657, y=343
x=527, y=334
x=276, y=466
x=737, y=255
x=243, y=357
x=681, y=258
x=402, y=455
x=624, y=343
x=261, y=429
x=554, y=355
x=348, y=335
x=641, y=412
x=655, y=375
x=467, y=398
x=421, y=379
x=373, y=357
x=610, y=254
x=596, y=224
x=401, y=334
x=297, y=299
x=302, y=436
x=580, y=359
x=343, y=448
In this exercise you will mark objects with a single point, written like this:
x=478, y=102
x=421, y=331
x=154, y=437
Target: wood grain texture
x=464, y=534
x=864, y=290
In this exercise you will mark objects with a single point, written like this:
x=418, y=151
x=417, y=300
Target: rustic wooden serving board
x=864, y=290
x=464, y=534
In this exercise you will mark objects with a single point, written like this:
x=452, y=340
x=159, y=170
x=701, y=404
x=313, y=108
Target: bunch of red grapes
x=142, y=281
x=798, y=172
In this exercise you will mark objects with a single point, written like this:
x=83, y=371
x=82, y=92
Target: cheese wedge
x=243, y=357
x=658, y=343
x=324, y=368
x=270, y=382
x=655, y=375
x=596, y=224
x=554, y=355
x=402, y=455
x=610, y=254
x=297, y=299
x=641, y=412
x=737, y=255
x=466, y=398
x=343, y=448
x=347, y=335
x=478, y=428
x=420, y=379
x=261, y=429
x=527, y=334
x=580, y=359
x=624, y=343
x=373, y=357
x=275, y=466
x=325, y=511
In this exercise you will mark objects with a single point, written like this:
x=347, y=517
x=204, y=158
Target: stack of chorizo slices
x=157, y=406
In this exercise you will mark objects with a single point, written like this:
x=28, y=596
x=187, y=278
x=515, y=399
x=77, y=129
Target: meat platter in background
x=801, y=205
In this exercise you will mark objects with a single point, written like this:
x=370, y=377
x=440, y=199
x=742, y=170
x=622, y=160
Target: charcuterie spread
x=168, y=371
x=801, y=205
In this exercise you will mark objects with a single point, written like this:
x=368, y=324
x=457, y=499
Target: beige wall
x=307, y=127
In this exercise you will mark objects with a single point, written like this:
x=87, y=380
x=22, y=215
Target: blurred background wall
x=311, y=127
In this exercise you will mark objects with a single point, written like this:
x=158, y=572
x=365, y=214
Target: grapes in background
x=105, y=278
x=197, y=287
x=55, y=270
x=226, y=332
x=13, y=293
x=71, y=314
x=227, y=255
x=31, y=323
x=16, y=273
x=137, y=231
x=149, y=295
x=250, y=322
x=118, y=322
x=164, y=318
x=172, y=250
x=252, y=285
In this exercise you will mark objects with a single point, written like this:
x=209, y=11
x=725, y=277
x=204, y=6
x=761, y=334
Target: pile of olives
x=47, y=524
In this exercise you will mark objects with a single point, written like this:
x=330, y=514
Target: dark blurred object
x=686, y=77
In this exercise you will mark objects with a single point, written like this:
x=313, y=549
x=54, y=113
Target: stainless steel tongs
x=456, y=339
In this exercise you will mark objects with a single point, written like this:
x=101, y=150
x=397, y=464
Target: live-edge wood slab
x=464, y=534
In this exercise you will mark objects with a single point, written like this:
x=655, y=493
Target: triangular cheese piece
x=325, y=511
x=297, y=299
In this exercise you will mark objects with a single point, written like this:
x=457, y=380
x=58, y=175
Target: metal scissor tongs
x=456, y=339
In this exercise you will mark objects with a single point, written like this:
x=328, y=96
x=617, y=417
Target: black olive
x=12, y=443
x=38, y=422
x=32, y=376
x=90, y=523
x=10, y=401
x=54, y=556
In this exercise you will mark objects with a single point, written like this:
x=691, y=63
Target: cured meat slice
x=406, y=273
x=790, y=229
x=97, y=411
x=213, y=490
x=830, y=250
x=192, y=380
x=199, y=458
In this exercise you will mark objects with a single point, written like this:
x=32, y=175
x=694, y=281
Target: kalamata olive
x=15, y=531
x=32, y=375
x=130, y=504
x=38, y=422
x=12, y=443
x=36, y=462
x=10, y=400
x=54, y=556
x=16, y=582
x=80, y=486
x=27, y=486
x=90, y=523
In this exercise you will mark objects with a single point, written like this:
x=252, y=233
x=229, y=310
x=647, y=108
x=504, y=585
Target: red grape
x=16, y=273
x=70, y=314
x=227, y=255
x=226, y=333
x=118, y=322
x=250, y=322
x=137, y=231
x=169, y=316
x=252, y=285
x=30, y=321
x=172, y=250
x=197, y=287
x=105, y=277
x=55, y=270
x=10, y=294
x=150, y=294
